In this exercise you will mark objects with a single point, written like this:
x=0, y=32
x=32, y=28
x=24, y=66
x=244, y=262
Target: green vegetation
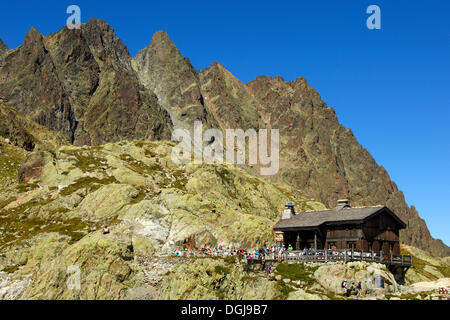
x=419, y=266
x=90, y=183
x=87, y=160
x=15, y=229
x=10, y=269
x=25, y=187
x=4, y=203
x=283, y=290
x=222, y=270
x=296, y=271
x=10, y=160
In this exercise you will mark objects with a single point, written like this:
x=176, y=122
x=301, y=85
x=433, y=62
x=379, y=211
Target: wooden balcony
x=345, y=256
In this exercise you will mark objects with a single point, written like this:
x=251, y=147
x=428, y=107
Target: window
x=332, y=245
x=351, y=244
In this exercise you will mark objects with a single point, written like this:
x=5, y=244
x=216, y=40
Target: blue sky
x=390, y=86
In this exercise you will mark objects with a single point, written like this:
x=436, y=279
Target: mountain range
x=86, y=87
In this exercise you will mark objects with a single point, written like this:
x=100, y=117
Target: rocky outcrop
x=24, y=133
x=214, y=279
x=3, y=51
x=163, y=70
x=331, y=275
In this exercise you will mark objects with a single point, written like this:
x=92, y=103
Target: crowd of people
x=352, y=288
x=220, y=251
x=261, y=254
x=254, y=254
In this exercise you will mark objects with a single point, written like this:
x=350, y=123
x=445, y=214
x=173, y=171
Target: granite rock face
x=84, y=84
x=3, y=51
x=80, y=82
x=163, y=70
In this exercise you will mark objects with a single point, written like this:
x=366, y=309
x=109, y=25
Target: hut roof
x=339, y=215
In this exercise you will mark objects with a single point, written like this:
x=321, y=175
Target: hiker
x=105, y=230
x=269, y=271
x=344, y=286
x=263, y=263
x=359, y=289
x=352, y=288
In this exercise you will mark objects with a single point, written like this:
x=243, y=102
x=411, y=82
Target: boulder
x=106, y=202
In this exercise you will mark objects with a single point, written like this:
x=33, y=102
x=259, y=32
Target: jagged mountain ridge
x=81, y=83
x=87, y=86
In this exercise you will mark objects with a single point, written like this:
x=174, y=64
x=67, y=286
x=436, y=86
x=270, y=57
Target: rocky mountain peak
x=162, y=69
x=33, y=41
x=3, y=47
x=161, y=37
x=103, y=40
x=3, y=51
x=32, y=34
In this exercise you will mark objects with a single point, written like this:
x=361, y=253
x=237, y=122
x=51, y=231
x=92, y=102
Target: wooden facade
x=367, y=229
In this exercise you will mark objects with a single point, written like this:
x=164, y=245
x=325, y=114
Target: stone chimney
x=289, y=211
x=343, y=203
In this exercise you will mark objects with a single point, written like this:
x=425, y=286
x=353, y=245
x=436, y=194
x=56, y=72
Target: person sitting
x=105, y=230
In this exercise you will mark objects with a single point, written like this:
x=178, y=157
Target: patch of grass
x=227, y=180
x=10, y=269
x=4, y=203
x=296, y=271
x=25, y=208
x=25, y=187
x=283, y=290
x=90, y=183
x=419, y=266
x=138, y=198
x=10, y=160
x=150, y=153
x=15, y=229
x=139, y=166
x=87, y=160
x=222, y=269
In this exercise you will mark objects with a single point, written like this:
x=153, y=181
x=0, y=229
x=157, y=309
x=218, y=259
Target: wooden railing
x=347, y=256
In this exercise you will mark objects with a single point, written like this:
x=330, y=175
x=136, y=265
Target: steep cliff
x=80, y=82
x=3, y=51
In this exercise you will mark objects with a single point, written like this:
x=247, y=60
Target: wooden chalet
x=371, y=229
